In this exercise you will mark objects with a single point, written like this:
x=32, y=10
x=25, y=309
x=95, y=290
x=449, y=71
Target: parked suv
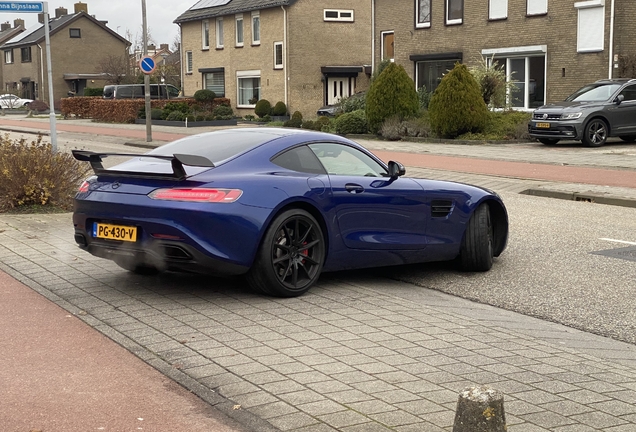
x=606, y=108
x=131, y=91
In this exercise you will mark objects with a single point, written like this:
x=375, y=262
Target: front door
x=338, y=88
x=624, y=115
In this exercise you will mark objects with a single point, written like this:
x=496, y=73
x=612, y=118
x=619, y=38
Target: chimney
x=81, y=7
x=5, y=26
x=41, y=18
x=18, y=22
x=164, y=47
x=60, y=12
x=152, y=48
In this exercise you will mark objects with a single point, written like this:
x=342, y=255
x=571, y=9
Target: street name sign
x=35, y=7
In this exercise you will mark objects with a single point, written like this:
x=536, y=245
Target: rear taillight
x=197, y=195
x=84, y=187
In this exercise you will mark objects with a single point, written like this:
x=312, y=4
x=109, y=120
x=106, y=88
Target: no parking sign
x=147, y=65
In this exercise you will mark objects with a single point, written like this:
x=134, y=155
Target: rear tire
x=290, y=257
x=549, y=141
x=595, y=133
x=628, y=138
x=476, y=253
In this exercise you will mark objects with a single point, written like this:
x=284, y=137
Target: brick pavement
x=357, y=353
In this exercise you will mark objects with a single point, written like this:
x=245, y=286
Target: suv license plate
x=114, y=232
x=543, y=125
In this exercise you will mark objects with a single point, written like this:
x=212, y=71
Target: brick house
x=78, y=43
x=7, y=33
x=305, y=53
x=549, y=48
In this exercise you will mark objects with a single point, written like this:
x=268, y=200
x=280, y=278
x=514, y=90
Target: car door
x=624, y=114
x=373, y=211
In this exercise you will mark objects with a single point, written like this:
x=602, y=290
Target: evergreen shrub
x=280, y=109
x=204, y=96
x=352, y=123
x=263, y=108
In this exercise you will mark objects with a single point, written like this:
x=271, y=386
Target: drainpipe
x=372, y=37
x=183, y=60
x=40, y=91
x=611, y=43
x=285, y=52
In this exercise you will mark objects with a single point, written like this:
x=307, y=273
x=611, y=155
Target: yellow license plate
x=543, y=125
x=115, y=232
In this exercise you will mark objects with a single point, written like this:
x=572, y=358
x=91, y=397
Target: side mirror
x=396, y=169
x=619, y=99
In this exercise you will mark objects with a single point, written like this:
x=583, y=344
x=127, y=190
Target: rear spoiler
x=177, y=161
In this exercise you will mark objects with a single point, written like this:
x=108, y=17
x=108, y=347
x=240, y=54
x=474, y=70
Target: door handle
x=354, y=188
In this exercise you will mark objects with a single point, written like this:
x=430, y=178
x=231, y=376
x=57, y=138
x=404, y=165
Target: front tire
x=549, y=141
x=595, y=133
x=476, y=253
x=290, y=257
x=628, y=138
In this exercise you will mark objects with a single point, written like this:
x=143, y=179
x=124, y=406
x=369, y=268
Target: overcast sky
x=123, y=15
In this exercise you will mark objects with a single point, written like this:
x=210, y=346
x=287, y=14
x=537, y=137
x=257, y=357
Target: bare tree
x=115, y=67
x=176, y=43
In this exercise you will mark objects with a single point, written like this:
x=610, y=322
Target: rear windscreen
x=216, y=146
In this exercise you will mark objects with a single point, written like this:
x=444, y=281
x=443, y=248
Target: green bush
x=94, y=91
x=176, y=116
x=392, y=93
x=352, y=123
x=280, y=109
x=457, y=106
x=263, y=108
x=204, y=96
x=155, y=113
x=297, y=115
x=309, y=124
x=354, y=102
x=503, y=125
x=322, y=122
x=424, y=96
x=492, y=81
x=171, y=107
x=293, y=122
x=223, y=111
x=32, y=175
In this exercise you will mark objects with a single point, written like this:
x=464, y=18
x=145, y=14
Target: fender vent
x=441, y=208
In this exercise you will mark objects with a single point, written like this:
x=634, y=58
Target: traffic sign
x=22, y=7
x=147, y=65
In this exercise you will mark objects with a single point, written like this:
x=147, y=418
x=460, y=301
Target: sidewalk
x=358, y=353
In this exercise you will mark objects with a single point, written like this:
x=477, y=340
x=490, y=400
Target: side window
x=154, y=91
x=124, y=92
x=340, y=159
x=300, y=159
x=630, y=93
x=172, y=91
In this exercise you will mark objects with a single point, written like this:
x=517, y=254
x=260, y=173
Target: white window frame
x=456, y=20
x=256, y=17
x=205, y=34
x=536, y=7
x=426, y=24
x=382, y=34
x=280, y=65
x=8, y=56
x=340, y=13
x=238, y=18
x=188, y=62
x=497, y=9
x=586, y=33
x=219, y=33
x=241, y=75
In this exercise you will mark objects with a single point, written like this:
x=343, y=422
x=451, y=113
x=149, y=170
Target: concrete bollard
x=480, y=409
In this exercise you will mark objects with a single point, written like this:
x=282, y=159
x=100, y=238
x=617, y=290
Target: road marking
x=618, y=241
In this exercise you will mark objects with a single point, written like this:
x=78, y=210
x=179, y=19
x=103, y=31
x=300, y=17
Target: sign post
x=145, y=65
x=39, y=7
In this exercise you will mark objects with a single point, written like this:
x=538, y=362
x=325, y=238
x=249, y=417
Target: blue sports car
x=279, y=206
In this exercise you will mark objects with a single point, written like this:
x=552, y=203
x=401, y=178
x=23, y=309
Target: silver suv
x=606, y=108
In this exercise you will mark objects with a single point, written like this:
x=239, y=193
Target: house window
x=525, y=69
x=8, y=56
x=498, y=9
x=278, y=55
x=256, y=28
x=205, y=34
x=239, y=30
x=249, y=88
x=422, y=13
x=429, y=73
x=75, y=33
x=188, y=62
x=388, y=46
x=537, y=7
x=25, y=54
x=591, y=26
x=454, y=12
x=219, y=32
x=215, y=81
x=345, y=15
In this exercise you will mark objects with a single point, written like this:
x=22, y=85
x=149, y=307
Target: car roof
x=614, y=81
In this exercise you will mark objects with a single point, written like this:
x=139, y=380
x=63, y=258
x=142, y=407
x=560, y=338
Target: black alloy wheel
x=291, y=256
x=548, y=141
x=595, y=134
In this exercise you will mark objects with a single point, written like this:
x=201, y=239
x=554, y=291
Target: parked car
x=10, y=101
x=132, y=91
x=280, y=206
x=329, y=111
x=606, y=108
